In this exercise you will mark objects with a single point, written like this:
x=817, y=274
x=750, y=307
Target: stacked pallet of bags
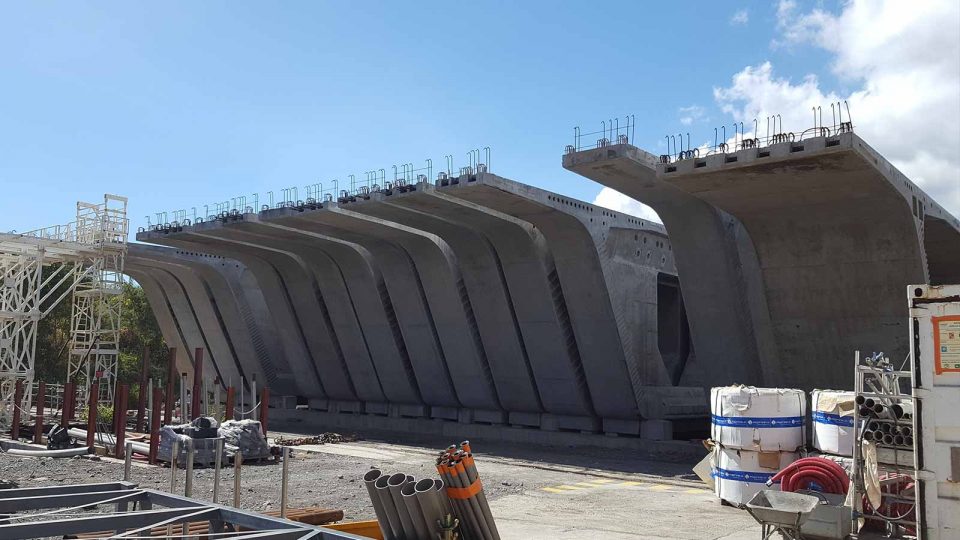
x=756, y=432
x=831, y=412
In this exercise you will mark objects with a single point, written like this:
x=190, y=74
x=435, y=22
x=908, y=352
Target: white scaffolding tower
x=95, y=320
x=85, y=257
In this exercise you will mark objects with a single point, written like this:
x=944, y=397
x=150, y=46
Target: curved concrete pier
x=838, y=238
x=495, y=320
x=166, y=319
x=726, y=311
x=269, y=284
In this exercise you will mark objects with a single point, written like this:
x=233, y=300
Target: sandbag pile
x=245, y=437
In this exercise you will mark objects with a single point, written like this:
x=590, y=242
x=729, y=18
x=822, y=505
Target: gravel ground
x=330, y=475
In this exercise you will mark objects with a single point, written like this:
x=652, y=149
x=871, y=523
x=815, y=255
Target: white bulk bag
x=739, y=474
x=832, y=415
x=761, y=419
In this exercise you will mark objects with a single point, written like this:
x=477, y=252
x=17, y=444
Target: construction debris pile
x=323, y=438
x=452, y=506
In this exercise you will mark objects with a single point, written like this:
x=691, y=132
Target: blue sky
x=178, y=104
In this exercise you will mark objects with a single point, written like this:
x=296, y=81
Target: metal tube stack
x=410, y=510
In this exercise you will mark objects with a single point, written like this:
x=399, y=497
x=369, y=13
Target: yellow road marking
x=631, y=483
x=601, y=481
x=660, y=487
x=574, y=488
x=697, y=491
x=585, y=484
x=553, y=490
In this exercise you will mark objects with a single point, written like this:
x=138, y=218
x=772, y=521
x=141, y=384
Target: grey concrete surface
x=446, y=360
x=610, y=292
x=308, y=309
x=195, y=335
x=336, y=260
x=731, y=333
x=838, y=239
x=495, y=320
x=218, y=345
x=285, y=330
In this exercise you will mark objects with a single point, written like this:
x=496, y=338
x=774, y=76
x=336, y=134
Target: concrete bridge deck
x=829, y=230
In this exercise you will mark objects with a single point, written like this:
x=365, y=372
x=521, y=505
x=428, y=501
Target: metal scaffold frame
x=39, y=269
x=95, y=319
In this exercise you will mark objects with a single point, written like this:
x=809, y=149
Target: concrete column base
x=346, y=407
x=405, y=410
x=621, y=426
x=444, y=413
x=381, y=409
x=484, y=416
x=656, y=430
x=318, y=404
x=523, y=419
x=557, y=422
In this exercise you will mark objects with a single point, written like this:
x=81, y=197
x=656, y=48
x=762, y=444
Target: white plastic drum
x=832, y=413
x=761, y=419
x=739, y=474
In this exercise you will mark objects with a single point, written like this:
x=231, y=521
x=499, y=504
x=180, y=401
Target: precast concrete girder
x=275, y=306
x=486, y=290
x=333, y=301
x=190, y=312
x=717, y=267
x=838, y=234
x=166, y=319
x=522, y=257
x=310, y=313
x=201, y=300
x=607, y=301
x=335, y=260
x=421, y=268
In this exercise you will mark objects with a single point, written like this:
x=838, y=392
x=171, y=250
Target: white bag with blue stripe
x=758, y=419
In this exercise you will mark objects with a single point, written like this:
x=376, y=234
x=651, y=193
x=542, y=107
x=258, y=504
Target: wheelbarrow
x=781, y=512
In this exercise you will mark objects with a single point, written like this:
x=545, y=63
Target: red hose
x=816, y=473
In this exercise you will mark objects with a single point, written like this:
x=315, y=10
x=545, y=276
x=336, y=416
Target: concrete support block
x=317, y=404
x=656, y=430
x=621, y=427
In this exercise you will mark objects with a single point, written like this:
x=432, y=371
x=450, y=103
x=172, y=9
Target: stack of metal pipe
x=408, y=509
x=465, y=492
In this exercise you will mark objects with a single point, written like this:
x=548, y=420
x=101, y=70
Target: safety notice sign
x=946, y=344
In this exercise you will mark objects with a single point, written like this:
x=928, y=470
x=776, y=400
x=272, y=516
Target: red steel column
x=38, y=426
x=155, y=425
x=197, y=383
x=144, y=382
x=17, y=402
x=92, y=413
x=264, y=405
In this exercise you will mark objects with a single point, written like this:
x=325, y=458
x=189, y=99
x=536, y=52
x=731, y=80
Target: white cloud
x=691, y=114
x=618, y=202
x=901, y=60
x=740, y=18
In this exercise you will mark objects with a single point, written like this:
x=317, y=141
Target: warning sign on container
x=946, y=344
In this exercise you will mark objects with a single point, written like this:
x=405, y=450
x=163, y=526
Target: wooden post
x=38, y=426
x=92, y=413
x=264, y=405
x=171, y=379
x=155, y=425
x=142, y=398
x=195, y=410
x=17, y=403
x=120, y=416
x=69, y=402
x=231, y=403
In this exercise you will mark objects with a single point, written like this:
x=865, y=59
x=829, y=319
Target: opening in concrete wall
x=673, y=332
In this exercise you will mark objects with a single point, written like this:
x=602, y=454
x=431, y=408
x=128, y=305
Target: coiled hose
x=813, y=473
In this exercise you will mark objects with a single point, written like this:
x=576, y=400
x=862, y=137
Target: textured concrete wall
x=486, y=301
x=827, y=230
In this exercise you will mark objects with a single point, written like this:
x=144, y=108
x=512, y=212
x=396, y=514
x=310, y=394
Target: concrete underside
x=482, y=300
x=802, y=251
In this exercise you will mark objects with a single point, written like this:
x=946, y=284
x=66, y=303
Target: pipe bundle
x=465, y=492
x=408, y=509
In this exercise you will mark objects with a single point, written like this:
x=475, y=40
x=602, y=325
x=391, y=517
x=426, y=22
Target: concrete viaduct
x=482, y=300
